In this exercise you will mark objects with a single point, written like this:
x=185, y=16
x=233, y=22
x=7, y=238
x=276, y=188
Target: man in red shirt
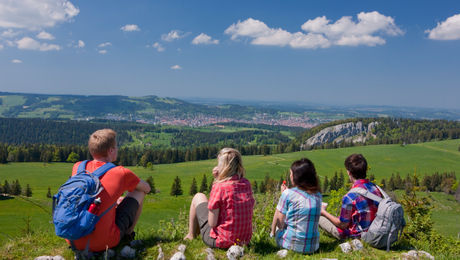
x=120, y=220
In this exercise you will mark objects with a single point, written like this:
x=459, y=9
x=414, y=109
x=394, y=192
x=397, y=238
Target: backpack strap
x=82, y=167
x=384, y=194
x=99, y=172
x=366, y=193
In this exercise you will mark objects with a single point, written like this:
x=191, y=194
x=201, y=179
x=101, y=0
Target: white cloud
x=81, y=44
x=320, y=32
x=35, y=14
x=9, y=33
x=28, y=43
x=102, y=52
x=157, y=46
x=1, y=47
x=45, y=36
x=173, y=35
x=204, y=39
x=16, y=61
x=447, y=30
x=130, y=28
x=105, y=44
x=176, y=67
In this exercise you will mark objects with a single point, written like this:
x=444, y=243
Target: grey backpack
x=388, y=223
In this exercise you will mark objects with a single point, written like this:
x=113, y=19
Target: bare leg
x=139, y=196
x=193, y=226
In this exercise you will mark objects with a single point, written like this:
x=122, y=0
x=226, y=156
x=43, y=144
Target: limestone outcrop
x=354, y=132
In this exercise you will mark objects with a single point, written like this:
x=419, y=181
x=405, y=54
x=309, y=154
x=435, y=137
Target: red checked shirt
x=235, y=202
x=358, y=211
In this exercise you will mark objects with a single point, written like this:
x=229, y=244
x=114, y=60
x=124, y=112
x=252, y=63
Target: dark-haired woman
x=295, y=223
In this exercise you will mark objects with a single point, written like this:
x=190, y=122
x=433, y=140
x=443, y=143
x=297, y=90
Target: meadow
x=18, y=215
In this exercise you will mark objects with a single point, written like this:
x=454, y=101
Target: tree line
x=15, y=188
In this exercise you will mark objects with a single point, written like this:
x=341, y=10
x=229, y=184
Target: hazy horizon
x=360, y=53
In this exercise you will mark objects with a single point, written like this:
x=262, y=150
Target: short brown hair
x=356, y=164
x=101, y=141
x=304, y=175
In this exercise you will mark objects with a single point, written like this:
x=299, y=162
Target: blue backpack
x=71, y=217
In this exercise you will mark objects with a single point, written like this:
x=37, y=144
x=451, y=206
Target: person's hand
x=324, y=206
x=283, y=186
x=215, y=172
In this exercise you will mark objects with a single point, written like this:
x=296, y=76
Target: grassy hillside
x=17, y=213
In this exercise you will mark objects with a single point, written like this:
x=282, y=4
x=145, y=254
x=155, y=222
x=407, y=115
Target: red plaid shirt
x=358, y=211
x=235, y=202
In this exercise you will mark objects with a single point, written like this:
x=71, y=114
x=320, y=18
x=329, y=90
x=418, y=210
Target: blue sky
x=401, y=53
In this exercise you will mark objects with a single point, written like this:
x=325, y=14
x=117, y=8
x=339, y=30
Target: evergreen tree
x=1, y=188
x=383, y=184
x=333, y=182
x=48, y=194
x=152, y=185
x=255, y=187
x=193, y=187
x=204, y=184
x=16, y=188
x=399, y=184
x=262, y=187
x=176, y=188
x=325, y=185
x=28, y=191
x=391, y=183
x=340, y=180
x=210, y=187
x=6, y=187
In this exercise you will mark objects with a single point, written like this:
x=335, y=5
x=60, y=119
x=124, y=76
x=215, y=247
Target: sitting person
x=120, y=220
x=298, y=211
x=226, y=219
x=357, y=212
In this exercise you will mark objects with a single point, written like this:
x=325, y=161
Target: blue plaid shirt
x=302, y=212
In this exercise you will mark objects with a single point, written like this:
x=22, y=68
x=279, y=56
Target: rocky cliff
x=354, y=132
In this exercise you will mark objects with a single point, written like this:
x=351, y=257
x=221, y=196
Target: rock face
x=355, y=132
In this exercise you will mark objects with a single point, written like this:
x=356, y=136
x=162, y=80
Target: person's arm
x=335, y=220
x=213, y=216
x=278, y=222
x=143, y=186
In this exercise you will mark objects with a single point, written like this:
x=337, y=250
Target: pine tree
x=48, y=194
x=340, y=180
x=333, y=182
x=262, y=187
x=204, y=184
x=399, y=183
x=383, y=184
x=193, y=187
x=1, y=188
x=325, y=185
x=152, y=185
x=16, y=188
x=255, y=187
x=176, y=188
x=28, y=191
x=391, y=183
x=6, y=187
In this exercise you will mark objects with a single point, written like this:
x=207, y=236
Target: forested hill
x=171, y=111
x=360, y=131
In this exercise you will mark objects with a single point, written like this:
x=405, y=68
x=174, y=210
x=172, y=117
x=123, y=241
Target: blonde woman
x=226, y=219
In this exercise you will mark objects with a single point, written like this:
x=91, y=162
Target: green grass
x=424, y=158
